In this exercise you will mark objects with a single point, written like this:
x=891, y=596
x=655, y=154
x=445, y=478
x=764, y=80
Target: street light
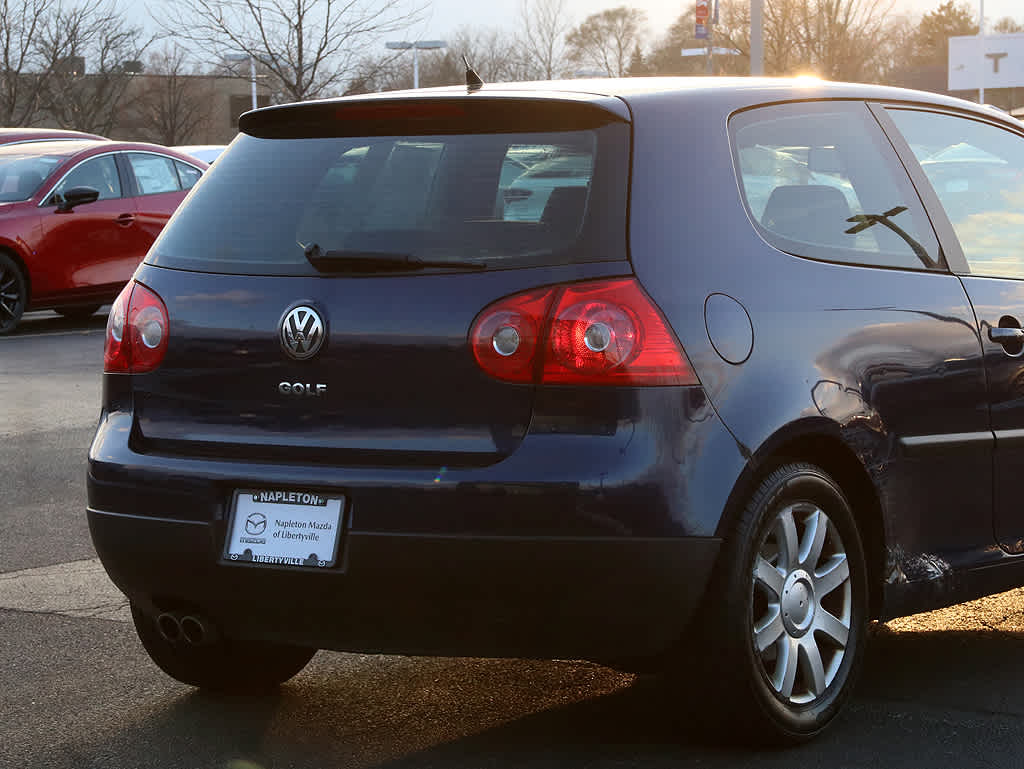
x=419, y=45
x=252, y=71
x=757, y=38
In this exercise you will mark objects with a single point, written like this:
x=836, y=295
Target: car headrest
x=812, y=213
x=28, y=182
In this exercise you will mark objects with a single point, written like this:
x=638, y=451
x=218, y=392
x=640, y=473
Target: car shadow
x=931, y=699
x=46, y=322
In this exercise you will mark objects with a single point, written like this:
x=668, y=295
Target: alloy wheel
x=12, y=294
x=801, y=603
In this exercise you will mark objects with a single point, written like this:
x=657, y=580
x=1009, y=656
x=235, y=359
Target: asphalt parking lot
x=944, y=689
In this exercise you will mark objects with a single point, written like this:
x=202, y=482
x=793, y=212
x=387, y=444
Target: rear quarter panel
x=868, y=356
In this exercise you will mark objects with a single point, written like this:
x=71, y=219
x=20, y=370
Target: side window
x=153, y=173
x=821, y=180
x=99, y=173
x=187, y=175
x=977, y=172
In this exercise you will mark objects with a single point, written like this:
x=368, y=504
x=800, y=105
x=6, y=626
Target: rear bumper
x=588, y=540
x=600, y=598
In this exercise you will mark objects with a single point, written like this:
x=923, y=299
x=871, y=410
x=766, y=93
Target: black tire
x=806, y=610
x=77, y=313
x=13, y=294
x=227, y=666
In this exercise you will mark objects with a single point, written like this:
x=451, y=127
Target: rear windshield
x=494, y=200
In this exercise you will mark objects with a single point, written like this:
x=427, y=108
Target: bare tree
x=1007, y=26
x=495, y=55
x=310, y=48
x=665, y=56
x=545, y=26
x=23, y=71
x=91, y=55
x=378, y=72
x=171, y=105
x=836, y=39
x=606, y=40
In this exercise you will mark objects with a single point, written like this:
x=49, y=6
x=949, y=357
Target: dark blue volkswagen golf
x=694, y=374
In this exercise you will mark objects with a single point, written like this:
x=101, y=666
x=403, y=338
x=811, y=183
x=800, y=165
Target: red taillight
x=115, y=348
x=604, y=332
x=506, y=336
x=136, y=332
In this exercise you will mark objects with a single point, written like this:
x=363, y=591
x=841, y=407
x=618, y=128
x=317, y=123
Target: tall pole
x=981, y=34
x=405, y=45
x=709, y=67
x=757, y=38
x=252, y=79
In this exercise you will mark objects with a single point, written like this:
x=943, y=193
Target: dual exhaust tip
x=188, y=629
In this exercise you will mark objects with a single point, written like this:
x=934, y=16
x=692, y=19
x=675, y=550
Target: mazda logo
x=256, y=523
x=302, y=332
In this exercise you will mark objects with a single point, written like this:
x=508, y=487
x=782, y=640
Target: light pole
x=252, y=71
x=419, y=45
x=757, y=38
x=981, y=34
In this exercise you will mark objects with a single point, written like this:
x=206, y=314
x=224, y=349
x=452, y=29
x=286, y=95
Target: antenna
x=473, y=81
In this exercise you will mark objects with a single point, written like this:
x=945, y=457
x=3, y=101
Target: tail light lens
x=137, y=329
x=115, y=348
x=606, y=332
x=506, y=337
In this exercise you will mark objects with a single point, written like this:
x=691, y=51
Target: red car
x=77, y=217
x=22, y=135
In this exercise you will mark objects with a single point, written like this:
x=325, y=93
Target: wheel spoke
x=814, y=539
x=811, y=656
x=833, y=574
x=833, y=627
x=785, y=670
x=786, y=536
x=768, y=576
x=769, y=631
x=7, y=309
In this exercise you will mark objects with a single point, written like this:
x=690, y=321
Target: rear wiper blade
x=356, y=260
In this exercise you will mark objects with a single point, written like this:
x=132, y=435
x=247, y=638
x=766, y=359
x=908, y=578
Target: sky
x=448, y=15
x=444, y=16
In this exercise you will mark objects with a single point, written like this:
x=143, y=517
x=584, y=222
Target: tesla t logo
x=256, y=524
x=302, y=332
x=995, y=59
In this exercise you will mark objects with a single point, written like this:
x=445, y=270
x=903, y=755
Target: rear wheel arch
x=820, y=444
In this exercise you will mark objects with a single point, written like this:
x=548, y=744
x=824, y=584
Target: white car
x=527, y=196
x=205, y=152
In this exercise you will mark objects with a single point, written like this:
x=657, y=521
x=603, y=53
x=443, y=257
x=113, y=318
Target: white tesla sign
x=991, y=61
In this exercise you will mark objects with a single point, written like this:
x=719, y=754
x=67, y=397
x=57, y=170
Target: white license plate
x=284, y=528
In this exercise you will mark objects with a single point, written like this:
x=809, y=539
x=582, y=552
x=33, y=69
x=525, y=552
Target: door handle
x=125, y=219
x=1005, y=336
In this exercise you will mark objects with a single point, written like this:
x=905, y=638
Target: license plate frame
x=285, y=528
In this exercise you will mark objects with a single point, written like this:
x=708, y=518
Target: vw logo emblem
x=302, y=332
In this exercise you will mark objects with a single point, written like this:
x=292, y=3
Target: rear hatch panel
x=400, y=385
x=392, y=218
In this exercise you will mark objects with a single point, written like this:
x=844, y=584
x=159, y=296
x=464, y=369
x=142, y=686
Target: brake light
x=115, y=347
x=137, y=329
x=605, y=332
